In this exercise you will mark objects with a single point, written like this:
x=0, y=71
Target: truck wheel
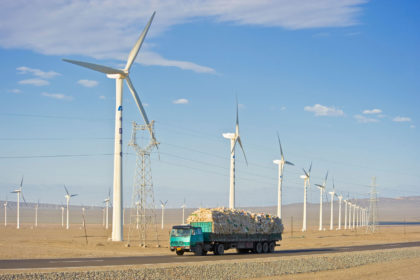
x=271, y=247
x=205, y=252
x=265, y=247
x=180, y=253
x=220, y=249
x=198, y=251
x=258, y=248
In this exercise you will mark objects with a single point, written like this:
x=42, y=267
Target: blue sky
x=337, y=79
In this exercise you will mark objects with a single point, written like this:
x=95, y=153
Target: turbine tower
x=183, y=212
x=332, y=207
x=119, y=75
x=163, y=204
x=62, y=215
x=345, y=213
x=106, y=201
x=281, y=164
x=373, y=208
x=306, y=184
x=340, y=198
x=321, y=191
x=234, y=138
x=5, y=212
x=68, y=196
x=19, y=193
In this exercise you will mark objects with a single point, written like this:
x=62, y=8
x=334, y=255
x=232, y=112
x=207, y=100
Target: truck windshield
x=180, y=232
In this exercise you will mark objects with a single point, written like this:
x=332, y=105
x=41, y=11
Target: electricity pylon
x=143, y=199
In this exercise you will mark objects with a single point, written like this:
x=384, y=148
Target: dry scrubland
x=50, y=240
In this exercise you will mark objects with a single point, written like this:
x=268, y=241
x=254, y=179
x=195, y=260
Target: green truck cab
x=187, y=238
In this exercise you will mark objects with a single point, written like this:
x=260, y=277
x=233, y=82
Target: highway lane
x=136, y=260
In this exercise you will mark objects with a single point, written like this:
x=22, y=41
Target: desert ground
x=50, y=240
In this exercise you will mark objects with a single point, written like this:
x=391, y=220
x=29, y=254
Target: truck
x=226, y=229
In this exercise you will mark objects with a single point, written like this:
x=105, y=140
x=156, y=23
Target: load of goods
x=228, y=221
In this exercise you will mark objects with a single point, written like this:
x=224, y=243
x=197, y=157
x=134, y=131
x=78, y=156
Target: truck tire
x=265, y=247
x=220, y=249
x=271, y=247
x=180, y=253
x=198, y=251
x=205, y=252
x=258, y=248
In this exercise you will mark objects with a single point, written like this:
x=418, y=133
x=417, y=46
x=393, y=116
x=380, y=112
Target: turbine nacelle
x=229, y=135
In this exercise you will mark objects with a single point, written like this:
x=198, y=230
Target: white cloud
x=37, y=72
x=180, y=101
x=372, y=112
x=15, y=90
x=77, y=27
x=102, y=97
x=401, y=119
x=59, y=96
x=321, y=110
x=364, y=119
x=412, y=126
x=34, y=82
x=283, y=108
x=88, y=83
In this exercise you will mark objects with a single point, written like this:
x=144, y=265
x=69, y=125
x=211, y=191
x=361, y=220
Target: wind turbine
x=36, y=214
x=345, y=213
x=62, y=215
x=163, y=204
x=332, y=206
x=119, y=75
x=234, y=138
x=354, y=213
x=281, y=164
x=107, y=200
x=350, y=210
x=321, y=191
x=68, y=196
x=306, y=184
x=19, y=193
x=5, y=212
x=340, y=198
x=183, y=212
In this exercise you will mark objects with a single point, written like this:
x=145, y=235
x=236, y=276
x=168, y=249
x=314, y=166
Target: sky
x=338, y=80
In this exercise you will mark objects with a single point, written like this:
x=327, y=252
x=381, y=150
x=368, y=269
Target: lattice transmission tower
x=142, y=214
x=373, y=208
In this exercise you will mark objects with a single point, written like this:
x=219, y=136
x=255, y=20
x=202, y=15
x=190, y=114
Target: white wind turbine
x=163, y=205
x=340, y=198
x=19, y=193
x=36, y=214
x=321, y=192
x=234, y=138
x=119, y=75
x=345, y=213
x=5, y=212
x=107, y=200
x=332, y=207
x=350, y=210
x=68, y=196
x=281, y=164
x=62, y=215
x=183, y=212
x=306, y=184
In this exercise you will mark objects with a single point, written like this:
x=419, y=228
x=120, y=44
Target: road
x=136, y=260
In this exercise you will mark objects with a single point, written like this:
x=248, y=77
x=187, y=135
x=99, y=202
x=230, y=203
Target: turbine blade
x=139, y=105
x=288, y=162
x=307, y=175
x=135, y=50
x=310, y=167
x=243, y=151
x=73, y=195
x=318, y=185
x=281, y=150
x=326, y=176
x=237, y=118
x=23, y=197
x=67, y=191
x=96, y=67
x=21, y=182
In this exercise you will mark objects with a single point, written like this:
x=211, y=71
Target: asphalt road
x=116, y=261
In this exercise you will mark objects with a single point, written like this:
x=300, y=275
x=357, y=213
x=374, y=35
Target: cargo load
x=233, y=221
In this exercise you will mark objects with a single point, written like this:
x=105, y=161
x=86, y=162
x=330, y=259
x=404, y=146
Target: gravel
x=232, y=269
